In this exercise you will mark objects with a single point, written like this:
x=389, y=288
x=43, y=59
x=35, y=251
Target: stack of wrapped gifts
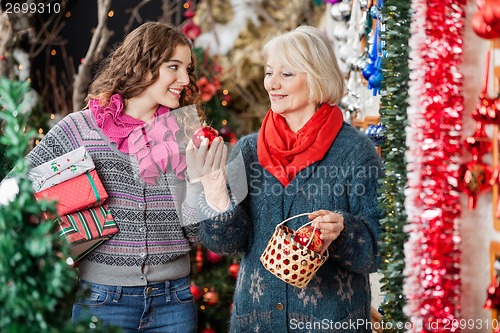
x=71, y=181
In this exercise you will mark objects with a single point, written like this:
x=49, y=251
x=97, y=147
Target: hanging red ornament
x=478, y=143
x=191, y=30
x=227, y=134
x=33, y=219
x=196, y=291
x=488, y=109
x=490, y=12
x=213, y=257
x=474, y=177
x=211, y=297
x=493, y=296
x=208, y=330
x=483, y=29
x=233, y=269
x=190, y=13
x=199, y=258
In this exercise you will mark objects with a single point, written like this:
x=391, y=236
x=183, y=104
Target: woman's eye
x=287, y=74
x=174, y=67
x=268, y=73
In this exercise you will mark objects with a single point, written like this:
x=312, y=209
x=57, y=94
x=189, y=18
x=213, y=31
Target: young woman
x=304, y=159
x=138, y=280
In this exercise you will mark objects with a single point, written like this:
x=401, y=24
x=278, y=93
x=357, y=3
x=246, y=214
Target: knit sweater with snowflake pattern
x=156, y=223
x=337, y=299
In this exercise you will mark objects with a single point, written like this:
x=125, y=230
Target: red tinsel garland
x=436, y=292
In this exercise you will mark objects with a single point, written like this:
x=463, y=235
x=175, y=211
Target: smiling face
x=288, y=90
x=173, y=78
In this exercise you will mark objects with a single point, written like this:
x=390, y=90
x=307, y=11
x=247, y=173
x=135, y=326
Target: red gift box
x=87, y=229
x=76, y=194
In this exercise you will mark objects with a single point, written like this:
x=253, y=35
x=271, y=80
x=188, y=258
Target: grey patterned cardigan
x=338, y=297
x=156, y=225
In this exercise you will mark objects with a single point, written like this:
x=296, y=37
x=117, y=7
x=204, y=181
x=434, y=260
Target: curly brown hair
x=135, y=64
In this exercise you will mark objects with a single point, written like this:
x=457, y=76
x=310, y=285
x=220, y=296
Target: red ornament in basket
x=310, y=237
x=288, y=259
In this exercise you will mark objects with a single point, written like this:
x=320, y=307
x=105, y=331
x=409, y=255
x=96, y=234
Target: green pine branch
x=396, y=16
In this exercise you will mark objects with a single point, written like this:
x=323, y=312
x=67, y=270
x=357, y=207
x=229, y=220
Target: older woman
x=304, y=159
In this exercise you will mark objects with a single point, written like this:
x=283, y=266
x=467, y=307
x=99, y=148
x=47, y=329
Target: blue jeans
x=166, y=307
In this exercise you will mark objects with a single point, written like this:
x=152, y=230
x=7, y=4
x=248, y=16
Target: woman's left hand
x=330, y=224
x=208, y=164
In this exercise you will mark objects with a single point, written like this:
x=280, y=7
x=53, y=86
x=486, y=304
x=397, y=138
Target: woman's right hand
x=208, y=165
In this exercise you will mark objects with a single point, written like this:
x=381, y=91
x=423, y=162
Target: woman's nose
x=273, y=82
x=183, y=77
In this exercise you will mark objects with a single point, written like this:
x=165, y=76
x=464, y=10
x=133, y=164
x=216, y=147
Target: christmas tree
x=212, y=285
x=36, y=279
x=213, y=275
x=215, y=99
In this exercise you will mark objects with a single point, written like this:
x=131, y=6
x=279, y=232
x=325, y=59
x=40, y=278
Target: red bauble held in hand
x=303, y=235
x=204, y=132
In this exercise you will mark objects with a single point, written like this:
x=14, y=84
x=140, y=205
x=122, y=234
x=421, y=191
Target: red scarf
x=284, y=153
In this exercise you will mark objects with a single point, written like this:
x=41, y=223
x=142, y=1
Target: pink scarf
x=153, y=144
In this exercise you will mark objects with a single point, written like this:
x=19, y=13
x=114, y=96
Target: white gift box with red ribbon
x=58, y=170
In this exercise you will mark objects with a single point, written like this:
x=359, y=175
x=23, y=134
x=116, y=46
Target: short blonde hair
x=306, y=49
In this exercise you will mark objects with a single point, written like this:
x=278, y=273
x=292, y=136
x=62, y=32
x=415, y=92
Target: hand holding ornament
x=330, y=224
x=207, y=164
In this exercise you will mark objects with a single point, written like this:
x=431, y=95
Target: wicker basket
x=289, y=260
